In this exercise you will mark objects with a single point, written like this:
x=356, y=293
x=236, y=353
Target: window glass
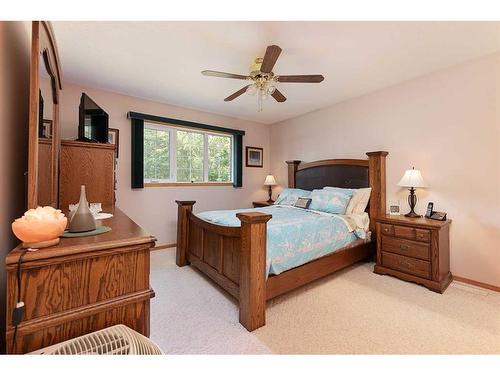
x=189, y=156
x=156, y=154
x=219, y=158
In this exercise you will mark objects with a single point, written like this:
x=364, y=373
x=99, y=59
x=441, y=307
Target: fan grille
x=115, y=340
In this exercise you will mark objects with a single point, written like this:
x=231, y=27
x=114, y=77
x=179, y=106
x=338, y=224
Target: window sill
x=166, y=184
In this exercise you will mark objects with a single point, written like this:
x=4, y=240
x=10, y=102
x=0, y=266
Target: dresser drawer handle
x=386, y=229
x=403, y=247
x=421, y=235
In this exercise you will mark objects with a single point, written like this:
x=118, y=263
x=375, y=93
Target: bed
x=230, y=246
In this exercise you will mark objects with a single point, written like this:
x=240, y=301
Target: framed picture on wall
x=254, y=157
x=114, y=138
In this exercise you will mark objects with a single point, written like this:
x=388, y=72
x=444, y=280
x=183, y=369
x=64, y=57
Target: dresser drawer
x=413, y=266
x=407, y=248
x=387, y=229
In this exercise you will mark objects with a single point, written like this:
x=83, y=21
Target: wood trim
x=253, y=269
x=34, y=117
x=164, y=246
x=184, y=123
x=316, y=269
x=43, y=46
x=476, y=283
x=292, y=169
x=57, y=61
x=171, y=184
x=183, y=211
x=74, y=143
x=322, y=163
x=81, y=311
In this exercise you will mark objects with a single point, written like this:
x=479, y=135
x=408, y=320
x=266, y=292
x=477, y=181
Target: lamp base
x=412, y=214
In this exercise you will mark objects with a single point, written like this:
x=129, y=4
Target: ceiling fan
x=263, y=78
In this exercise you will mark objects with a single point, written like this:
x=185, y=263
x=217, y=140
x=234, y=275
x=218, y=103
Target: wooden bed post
x=376, y=170
x=253, y=269
x=183, y=210
x=292, y=168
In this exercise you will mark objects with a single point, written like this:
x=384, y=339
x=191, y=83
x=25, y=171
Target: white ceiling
x=162, y=61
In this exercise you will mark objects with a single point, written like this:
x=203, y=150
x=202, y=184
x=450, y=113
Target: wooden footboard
x=233, y=257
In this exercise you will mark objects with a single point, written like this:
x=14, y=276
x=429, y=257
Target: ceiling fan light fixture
x=271, y=89
x=252, y=90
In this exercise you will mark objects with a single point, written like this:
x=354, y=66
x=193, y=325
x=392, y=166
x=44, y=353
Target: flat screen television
x=93, y=121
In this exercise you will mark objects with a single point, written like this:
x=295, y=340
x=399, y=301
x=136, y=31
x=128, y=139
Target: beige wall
x=154, y=208
x=14, y=99
x=446, y=124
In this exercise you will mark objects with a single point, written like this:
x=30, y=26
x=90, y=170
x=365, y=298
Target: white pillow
x=359, y=201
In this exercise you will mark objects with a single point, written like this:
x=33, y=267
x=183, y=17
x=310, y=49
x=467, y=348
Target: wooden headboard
x=344, y=173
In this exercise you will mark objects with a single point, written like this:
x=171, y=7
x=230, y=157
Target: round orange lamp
x=40, y=227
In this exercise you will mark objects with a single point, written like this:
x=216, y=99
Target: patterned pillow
x=332, y=200
x=288, y=197
x=359, y=200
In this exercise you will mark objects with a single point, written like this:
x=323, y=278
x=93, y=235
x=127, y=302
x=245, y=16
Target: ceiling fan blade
x=278, y=96
x=213, y=73
x=272, y=54
x=315, y=78
x=236, y=94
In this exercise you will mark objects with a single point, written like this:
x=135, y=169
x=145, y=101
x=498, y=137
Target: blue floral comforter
x=294, y=236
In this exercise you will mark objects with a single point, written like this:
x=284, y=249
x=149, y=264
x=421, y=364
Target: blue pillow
x=331, y=200
x=288, y=197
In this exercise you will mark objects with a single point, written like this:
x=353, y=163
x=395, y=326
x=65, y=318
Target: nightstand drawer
x=404, y=264
x=423, y=235
x=405, y=247
x=404, y=232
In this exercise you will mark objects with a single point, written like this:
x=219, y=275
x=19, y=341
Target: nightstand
x=262, y=204
x=414, y=249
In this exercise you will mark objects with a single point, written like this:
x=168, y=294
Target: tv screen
x=93, y=124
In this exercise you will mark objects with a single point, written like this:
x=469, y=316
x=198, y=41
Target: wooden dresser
x=414, y=249
x=81, y=285
x=89, y=164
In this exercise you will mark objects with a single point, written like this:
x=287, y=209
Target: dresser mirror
x=44, y=131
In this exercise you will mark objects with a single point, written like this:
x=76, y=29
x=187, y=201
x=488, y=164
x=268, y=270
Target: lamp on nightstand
x=412, y=179
x=270, y=181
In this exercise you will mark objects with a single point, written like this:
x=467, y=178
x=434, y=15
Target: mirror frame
x=43, y=46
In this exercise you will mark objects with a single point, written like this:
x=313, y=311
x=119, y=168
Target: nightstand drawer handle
x=403, y=247
x=421, y=235
x=386, y=229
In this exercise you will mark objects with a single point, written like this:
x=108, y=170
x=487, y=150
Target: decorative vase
x=82, y=220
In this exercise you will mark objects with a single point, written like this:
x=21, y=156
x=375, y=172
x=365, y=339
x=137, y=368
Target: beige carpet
x=351, y=312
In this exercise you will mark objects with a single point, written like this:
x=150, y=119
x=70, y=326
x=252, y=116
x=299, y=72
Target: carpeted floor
x=351, y=312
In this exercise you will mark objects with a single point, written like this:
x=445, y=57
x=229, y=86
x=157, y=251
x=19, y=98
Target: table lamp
x=270, y=181
x=412, y=179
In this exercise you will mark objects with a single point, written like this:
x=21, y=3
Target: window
x=184, y=155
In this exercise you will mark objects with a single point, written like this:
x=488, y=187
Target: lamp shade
x=412, y=179
x=270, y=180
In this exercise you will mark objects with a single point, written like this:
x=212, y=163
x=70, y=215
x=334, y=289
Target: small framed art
x=254, y=157
x=394, y=209
x=114, y=138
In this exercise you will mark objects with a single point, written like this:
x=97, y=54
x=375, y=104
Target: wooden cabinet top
x=124, y=232
x=70, y=143
x=411, y=221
